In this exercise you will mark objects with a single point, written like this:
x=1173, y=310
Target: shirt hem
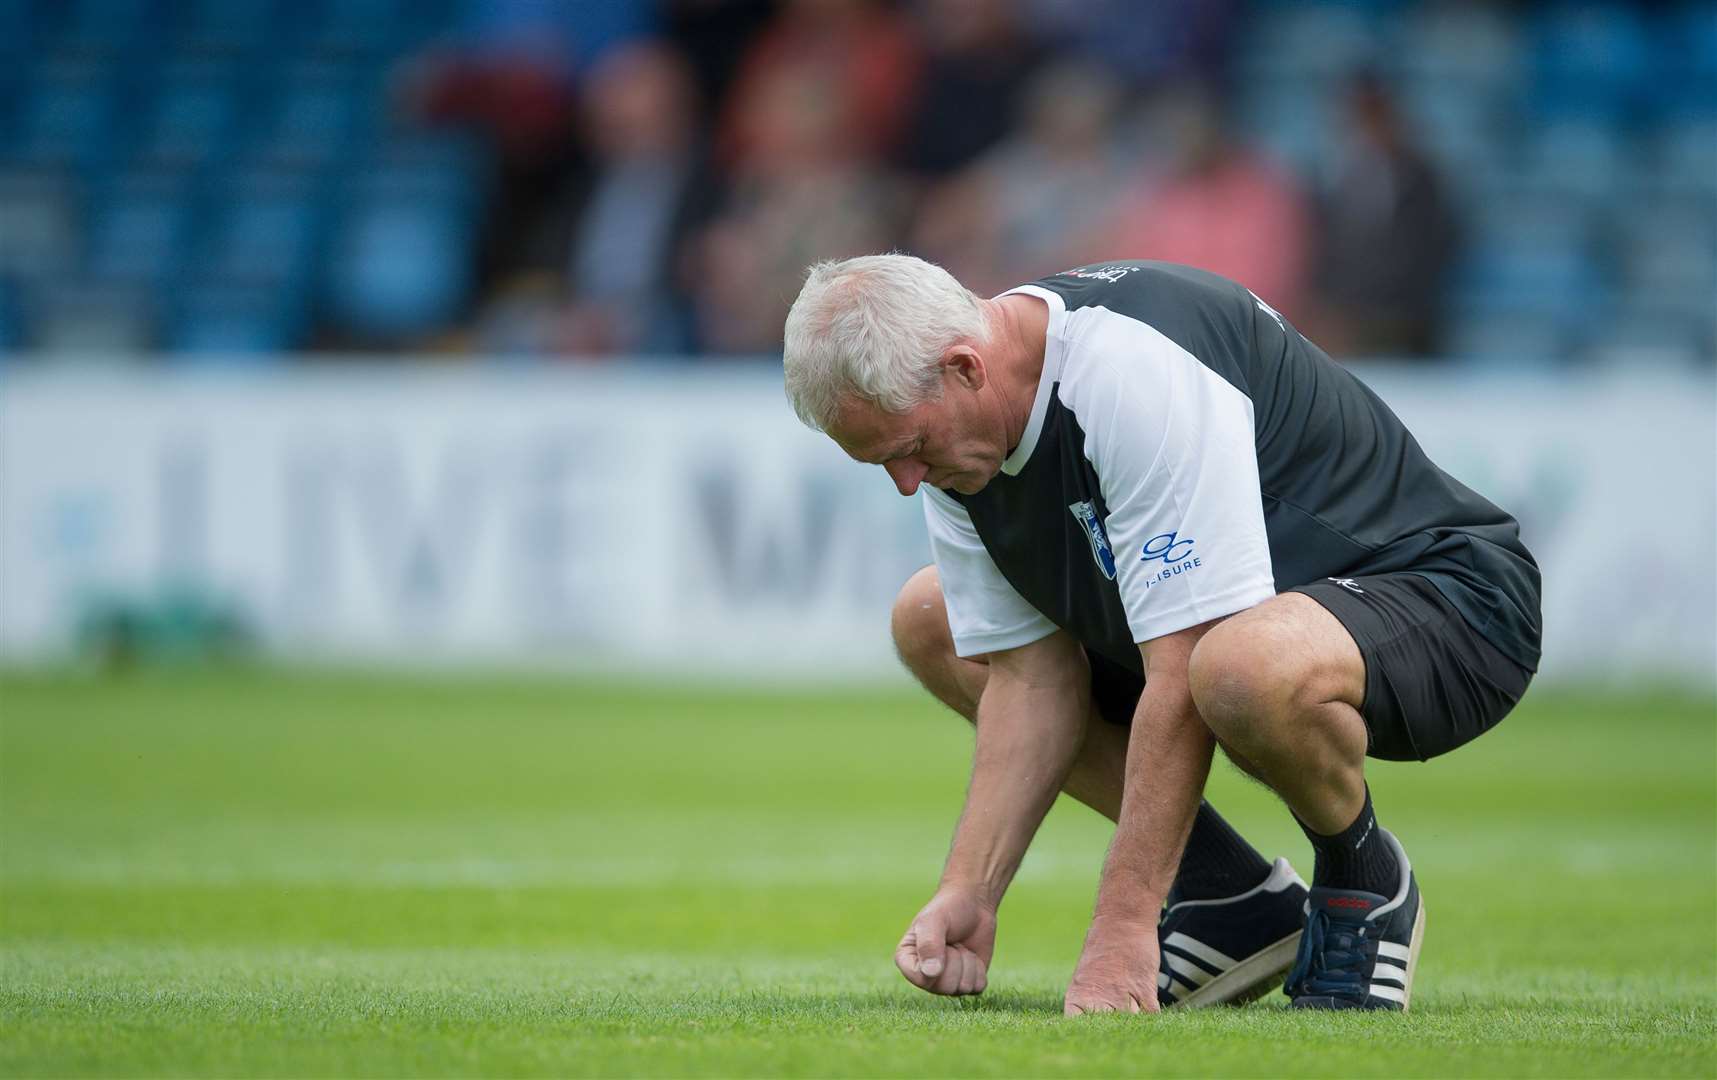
x=969, y=645
x=1229, y=603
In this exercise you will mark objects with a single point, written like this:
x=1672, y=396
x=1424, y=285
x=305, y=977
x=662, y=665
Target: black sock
x=1356, y=857
x=1218, y=862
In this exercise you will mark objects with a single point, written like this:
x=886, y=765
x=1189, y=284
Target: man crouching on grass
x=1163, y=520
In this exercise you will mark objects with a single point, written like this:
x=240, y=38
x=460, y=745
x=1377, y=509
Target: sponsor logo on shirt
x=1101, y=553
x=1174, y=553
x=1110, y=274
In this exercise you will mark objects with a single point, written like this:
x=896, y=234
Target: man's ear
x=965, y=366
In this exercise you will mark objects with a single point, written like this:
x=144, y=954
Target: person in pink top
x=1216, y=206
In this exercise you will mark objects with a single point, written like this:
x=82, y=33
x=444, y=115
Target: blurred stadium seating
x=232, y=177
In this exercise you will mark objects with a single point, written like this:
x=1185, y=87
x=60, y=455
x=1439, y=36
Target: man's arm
x=1031, y=724
x=1168, y=761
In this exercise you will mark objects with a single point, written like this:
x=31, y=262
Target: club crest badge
x=1086, y=514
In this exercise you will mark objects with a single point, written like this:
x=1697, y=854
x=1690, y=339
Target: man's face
x=945, y=443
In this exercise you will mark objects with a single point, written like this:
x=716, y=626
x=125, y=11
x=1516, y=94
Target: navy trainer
x=1360, y=948
x=1231, y=950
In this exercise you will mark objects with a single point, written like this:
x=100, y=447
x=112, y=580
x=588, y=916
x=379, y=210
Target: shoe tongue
x=1351, y=904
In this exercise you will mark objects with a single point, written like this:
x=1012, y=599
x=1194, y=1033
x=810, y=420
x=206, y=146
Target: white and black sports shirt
x=1189, y=455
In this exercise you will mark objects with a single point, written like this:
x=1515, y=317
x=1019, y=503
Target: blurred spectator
x=858, y=56
x=713, y=36
x=803, y=192
x=1216, y=205
x=978, y=60
x=510, y=70
x=613, y=241
x=1010, y=216
x=576, y=32
x=524, y=106
x=819, y=101
x=1388, y=237
x=231, y=174
x=1146, y=44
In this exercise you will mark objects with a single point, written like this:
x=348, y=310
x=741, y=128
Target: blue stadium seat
x=1667, y=252
x=194, y=116
x=1685, y=83
x=1314, y=40
x=21, y=31
x=1592, y=60
x=401, y=266
x=67, y=117
x=1462, y=126
x=1683, y=157
x=460, y=155
x=40, y=233
x=456, y=188
x=1649, y=333
x=1506, y=339
x=141, y=230
x=233, y=26
x=78, y=316
x=1533, y=257
x=11, y=319
x=1291, y=120
x=267, y=231
x=110, y=27
x=1580, y=158
x=368, y=27
x=1464, y=48
x=237, y=323
x=318, y=113
x=449, y=169
x=14, y=87
x=1693, y=27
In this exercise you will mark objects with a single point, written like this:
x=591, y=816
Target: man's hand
x=1170, y=745
x=947, y=948
x=1117, y=972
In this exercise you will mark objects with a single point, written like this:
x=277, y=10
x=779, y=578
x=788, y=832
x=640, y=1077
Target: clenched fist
x=947, y=948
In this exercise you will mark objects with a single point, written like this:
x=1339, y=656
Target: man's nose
x=907, y=474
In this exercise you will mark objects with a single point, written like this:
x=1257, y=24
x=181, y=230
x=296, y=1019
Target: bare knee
x=919, y=622
x=1236, y=689
x=926, y=645
x=1255, y=680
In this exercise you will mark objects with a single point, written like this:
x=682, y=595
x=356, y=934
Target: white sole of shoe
x=1252, y=977
x=1413, y=954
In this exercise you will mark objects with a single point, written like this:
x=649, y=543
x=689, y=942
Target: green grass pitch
x=265, y=874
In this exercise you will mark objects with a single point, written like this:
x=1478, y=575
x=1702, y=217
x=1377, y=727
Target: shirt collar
x=1053, y=352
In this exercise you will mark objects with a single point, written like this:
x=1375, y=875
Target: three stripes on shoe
x=1188, y=964
x=1389, y=977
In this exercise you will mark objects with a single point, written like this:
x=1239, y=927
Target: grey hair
x=874, y=327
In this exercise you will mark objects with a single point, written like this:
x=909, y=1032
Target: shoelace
x=1335, y=957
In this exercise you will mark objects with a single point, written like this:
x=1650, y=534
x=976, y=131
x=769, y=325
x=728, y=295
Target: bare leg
x=926, y=647
x=1281, y=686
x=1218, y=861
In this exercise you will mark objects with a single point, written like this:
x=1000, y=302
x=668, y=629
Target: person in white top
x=1163, y=521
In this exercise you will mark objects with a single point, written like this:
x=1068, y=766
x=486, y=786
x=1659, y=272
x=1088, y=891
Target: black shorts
x=1432, y=682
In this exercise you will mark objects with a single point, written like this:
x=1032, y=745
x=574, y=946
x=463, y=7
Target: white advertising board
x=678, y=520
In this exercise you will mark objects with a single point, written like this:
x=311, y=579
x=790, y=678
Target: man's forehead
x=865, y=430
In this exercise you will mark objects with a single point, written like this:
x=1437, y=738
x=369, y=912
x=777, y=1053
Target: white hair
x=874, y=327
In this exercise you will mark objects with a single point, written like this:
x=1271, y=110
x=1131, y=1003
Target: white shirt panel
x=1051, y=374
x=1173, y=447
x=985, y=613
